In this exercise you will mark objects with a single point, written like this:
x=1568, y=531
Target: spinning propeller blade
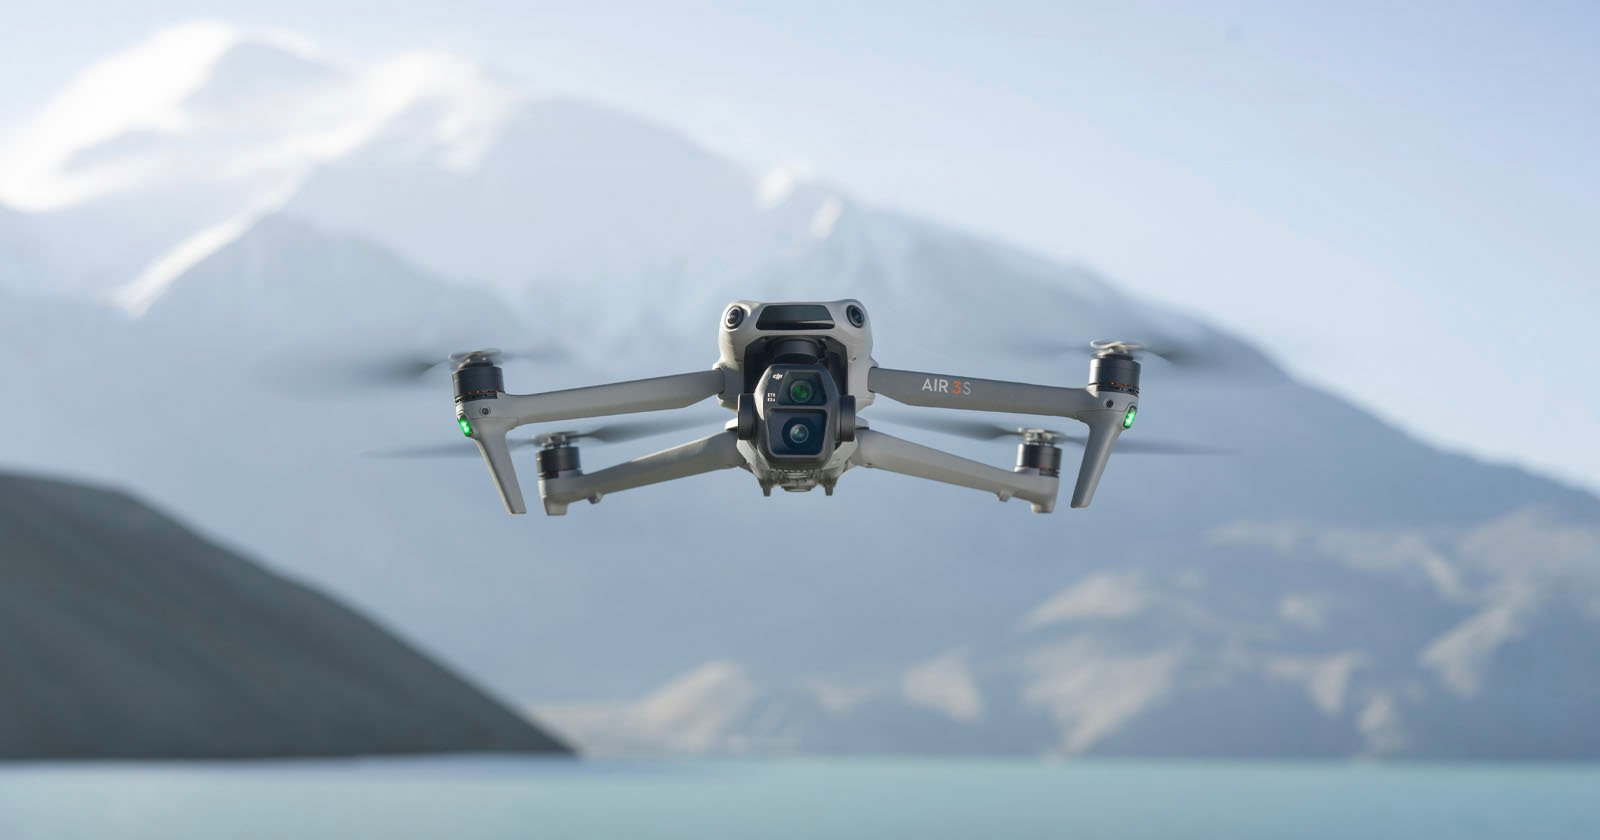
x=624, y=431
x=609, y=433
x=459, y=449
x=354, y=369
x=1188, y=356
x=985, y=430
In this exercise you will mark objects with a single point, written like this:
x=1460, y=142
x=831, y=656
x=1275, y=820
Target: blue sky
x=1398, y=201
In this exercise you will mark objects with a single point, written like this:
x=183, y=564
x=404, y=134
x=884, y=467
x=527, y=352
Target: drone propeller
x=1188, y=356
x=984, y=430
x=460, y=449
x=342, y=367
x=609, y=433
x=412, y=367
x=620, y=432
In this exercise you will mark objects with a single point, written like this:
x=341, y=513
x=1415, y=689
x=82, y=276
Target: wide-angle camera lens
x=798, y=432
x=801, y=391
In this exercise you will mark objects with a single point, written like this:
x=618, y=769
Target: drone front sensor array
x=799, y=380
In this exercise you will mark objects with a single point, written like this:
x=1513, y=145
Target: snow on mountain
x=160, y=154
x=1335, y=588
x=570, y=199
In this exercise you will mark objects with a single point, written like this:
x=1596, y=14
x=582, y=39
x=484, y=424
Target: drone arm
x=1101, y=411
x=937, y=390
x=716, y=452
x=489, y=418
x=662, y=392
x=886, y=452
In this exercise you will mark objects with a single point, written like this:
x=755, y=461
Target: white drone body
x=797, y=375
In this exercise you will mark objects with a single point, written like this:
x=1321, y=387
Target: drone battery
x=1039, y=456
x=1114, y=373
x=478, y=381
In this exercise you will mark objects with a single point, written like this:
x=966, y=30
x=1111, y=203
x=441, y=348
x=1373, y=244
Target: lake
x=472, y=797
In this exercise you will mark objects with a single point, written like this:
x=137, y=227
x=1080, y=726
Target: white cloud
x=1380, y=724
x=1326, y=679
x=944, y=684
x=776, y=186
x=826, y=217
x=1101, y=595
x=1461, y=657
x=1091, y=692
x=716, y=707
x=1308, y=612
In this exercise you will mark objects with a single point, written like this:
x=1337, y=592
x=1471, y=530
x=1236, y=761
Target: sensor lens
x=801, y=391
x=798, y=433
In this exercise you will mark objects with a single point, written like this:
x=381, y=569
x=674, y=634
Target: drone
x=797, y=376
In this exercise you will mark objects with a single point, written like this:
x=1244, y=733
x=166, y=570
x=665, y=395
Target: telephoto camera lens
x=798, y=433
x=801, y=391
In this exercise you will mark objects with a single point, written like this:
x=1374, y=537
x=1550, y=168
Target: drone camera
x=800, y=435
x=801, y=388
x=800, y=408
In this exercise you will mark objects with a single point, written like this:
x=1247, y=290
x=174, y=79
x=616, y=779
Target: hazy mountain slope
x=303, y=284
x=19, y=257
x=128, y=636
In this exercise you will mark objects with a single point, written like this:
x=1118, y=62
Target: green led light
x=466, y=426
x=1127, y=419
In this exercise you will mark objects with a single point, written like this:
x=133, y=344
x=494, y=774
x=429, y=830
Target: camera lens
x=798, y=433
x=801, y=391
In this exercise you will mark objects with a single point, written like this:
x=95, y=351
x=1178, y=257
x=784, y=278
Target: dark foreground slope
x=123, y=634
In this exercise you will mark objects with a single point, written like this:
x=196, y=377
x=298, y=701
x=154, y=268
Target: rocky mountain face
x=128, y=636
x=1334, y=587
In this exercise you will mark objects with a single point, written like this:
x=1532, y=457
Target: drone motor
x=557, y=457
x=1038, y=453
x=477, y=377
x=1114, y=367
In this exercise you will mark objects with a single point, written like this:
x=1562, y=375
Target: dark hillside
x=125, y=635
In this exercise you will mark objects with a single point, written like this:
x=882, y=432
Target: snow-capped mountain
x=1334, y=588
x=156, y=156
